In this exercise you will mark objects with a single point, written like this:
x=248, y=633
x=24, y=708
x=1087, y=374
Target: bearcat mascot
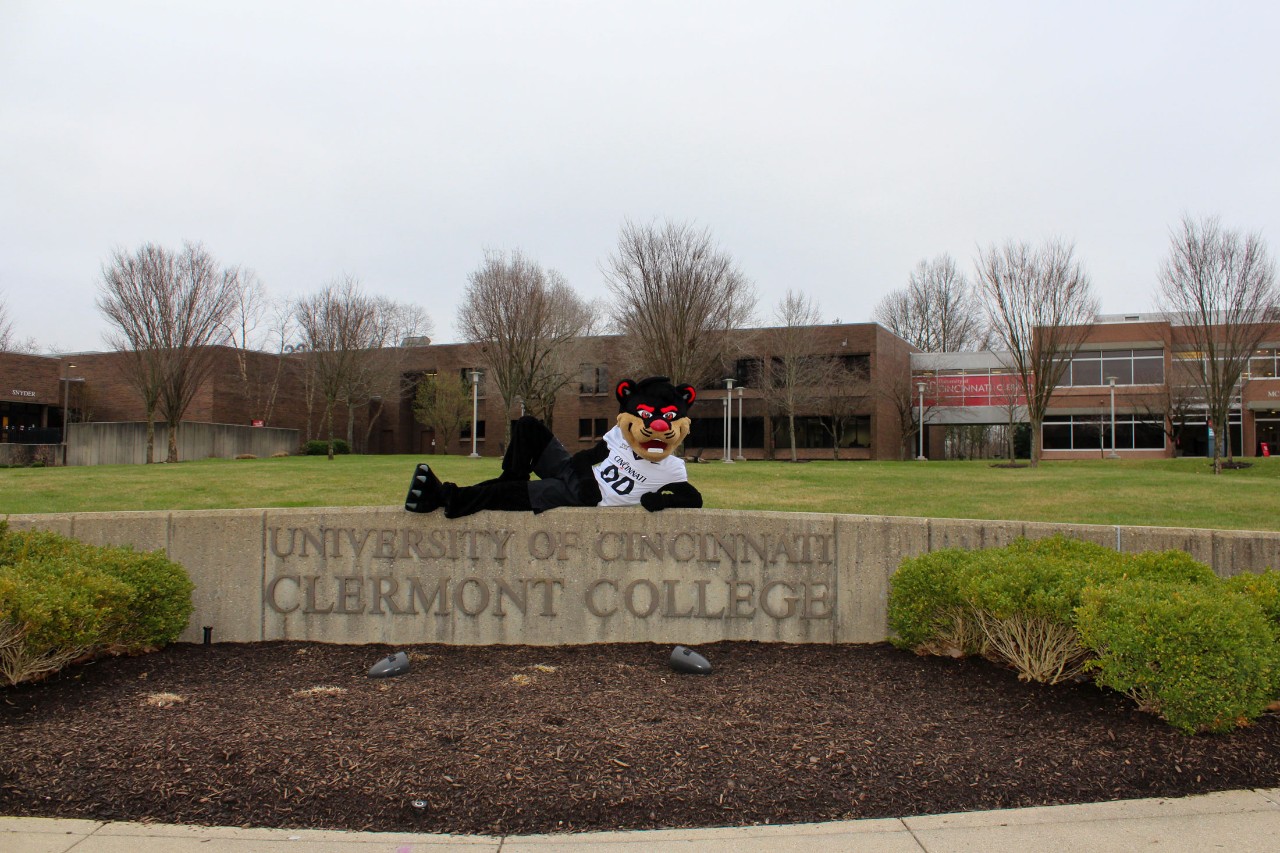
x=632, y=464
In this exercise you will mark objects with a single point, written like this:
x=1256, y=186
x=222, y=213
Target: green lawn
x=1168, y=493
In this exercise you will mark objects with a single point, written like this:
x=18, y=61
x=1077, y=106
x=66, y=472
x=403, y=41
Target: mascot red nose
x=633, y=464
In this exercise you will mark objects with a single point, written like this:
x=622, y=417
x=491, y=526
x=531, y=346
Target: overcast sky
x=828, y=147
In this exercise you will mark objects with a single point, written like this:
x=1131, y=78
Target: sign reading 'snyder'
x=340, y=571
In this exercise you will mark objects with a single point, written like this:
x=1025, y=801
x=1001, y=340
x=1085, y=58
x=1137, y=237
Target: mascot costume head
x=653, y=415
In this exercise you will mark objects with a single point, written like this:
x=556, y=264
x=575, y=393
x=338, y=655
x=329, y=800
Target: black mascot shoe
x=425, y=492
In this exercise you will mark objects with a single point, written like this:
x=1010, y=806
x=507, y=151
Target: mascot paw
x=653, y=501
x=426, y=493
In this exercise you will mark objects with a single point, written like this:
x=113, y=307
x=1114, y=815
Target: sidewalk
x=1228, y=821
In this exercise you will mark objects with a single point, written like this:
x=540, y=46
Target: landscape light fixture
x=66, y=400
x=475, y=410
x=921, y=457
x=728, y=420
x=1111, y=380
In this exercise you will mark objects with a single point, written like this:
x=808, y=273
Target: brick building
x=245, y=388
x=1157, y=410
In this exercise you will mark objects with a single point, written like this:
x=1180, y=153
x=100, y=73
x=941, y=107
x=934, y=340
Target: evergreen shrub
x=63, y=600
x=319, y=447
x=1203, y=660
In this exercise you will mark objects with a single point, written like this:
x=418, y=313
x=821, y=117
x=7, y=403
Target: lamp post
x=475, y=410
x=1111, y=380
x=728, y=401
x=741, y=458
x=66, y=400
x=921, y=457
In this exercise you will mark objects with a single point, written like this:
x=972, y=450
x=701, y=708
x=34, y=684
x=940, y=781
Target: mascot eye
x=671, y=416
x=645, y=415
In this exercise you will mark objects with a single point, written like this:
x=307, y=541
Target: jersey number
x=620, y=484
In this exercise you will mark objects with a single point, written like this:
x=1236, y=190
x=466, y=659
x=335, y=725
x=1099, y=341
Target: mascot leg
x=530, y=439
x=533, y=449
x=499, y=494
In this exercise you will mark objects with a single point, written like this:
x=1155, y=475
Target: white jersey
x=623, y=476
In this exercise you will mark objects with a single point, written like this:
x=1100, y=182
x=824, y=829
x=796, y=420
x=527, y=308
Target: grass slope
x=1166, y=493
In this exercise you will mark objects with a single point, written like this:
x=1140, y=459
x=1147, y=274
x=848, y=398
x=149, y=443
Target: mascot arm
x=594, y=455
x=681, y=495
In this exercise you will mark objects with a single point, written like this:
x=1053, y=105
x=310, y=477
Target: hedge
x=63, y=600
x=1204, y=661
x=319, y=447
x=1159, y=626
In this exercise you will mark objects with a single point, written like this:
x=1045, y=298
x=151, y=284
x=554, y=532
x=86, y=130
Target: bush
x=1170, y=567
x=245, y=456
x=1015, y=605
x=927, y=612
x=1202, y=660
x=318, y=447
x=280, y=454
x=1262, y=589
x=61, y=600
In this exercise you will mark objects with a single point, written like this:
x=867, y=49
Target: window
x=1093, y=432
x=1129, y=367
x=466, y=431
x=709, y=432
x=746, y=372
x=859, y=364
x=590, y=429
x=813, y=432
x=1263, y=364
x=595, y=379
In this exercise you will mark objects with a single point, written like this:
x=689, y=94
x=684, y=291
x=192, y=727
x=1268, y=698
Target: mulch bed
x=523, y=739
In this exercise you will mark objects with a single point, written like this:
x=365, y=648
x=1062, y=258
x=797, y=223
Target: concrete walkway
x=1228, y=821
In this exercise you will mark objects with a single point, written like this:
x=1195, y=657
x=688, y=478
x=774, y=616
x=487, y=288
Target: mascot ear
x=687, y=392
x=624, y=389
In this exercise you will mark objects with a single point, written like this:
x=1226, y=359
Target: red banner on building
x=976, y=390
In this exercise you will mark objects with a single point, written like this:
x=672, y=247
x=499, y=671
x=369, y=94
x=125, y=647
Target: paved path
x=1236, y=821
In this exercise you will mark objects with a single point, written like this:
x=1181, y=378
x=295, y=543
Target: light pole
x=921, y=457
x=66, y=399
x=475, y=410
x=728, y=421
x=741, y=458
x=1111, y=380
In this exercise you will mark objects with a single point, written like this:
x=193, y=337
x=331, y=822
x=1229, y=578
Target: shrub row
x=320, y=447
x=1201, y=652
x=62, y=600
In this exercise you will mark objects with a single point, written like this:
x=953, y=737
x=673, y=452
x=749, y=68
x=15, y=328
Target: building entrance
x=1267, y=431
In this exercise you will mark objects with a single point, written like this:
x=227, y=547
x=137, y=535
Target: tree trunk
x=328, y=419
x=151, y=437
x=173, y=443
x=791, y=426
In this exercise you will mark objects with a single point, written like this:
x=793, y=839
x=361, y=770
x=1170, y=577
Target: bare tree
x=526, y=323
x=676, y=297
x=892, y=383
x=1170, y=408
x=1222, y=285
x=937, y=311
x=350, y=347
x=1040, y=306
x=6, y=329
x=378, y=371
x=443, y=404
x=846, y=390
x=795, y=374
x=125, y=299
x=257, y=325
x=9, y=341
x=169, y=309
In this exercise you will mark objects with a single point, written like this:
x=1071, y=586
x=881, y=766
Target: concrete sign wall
x=380, y=575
